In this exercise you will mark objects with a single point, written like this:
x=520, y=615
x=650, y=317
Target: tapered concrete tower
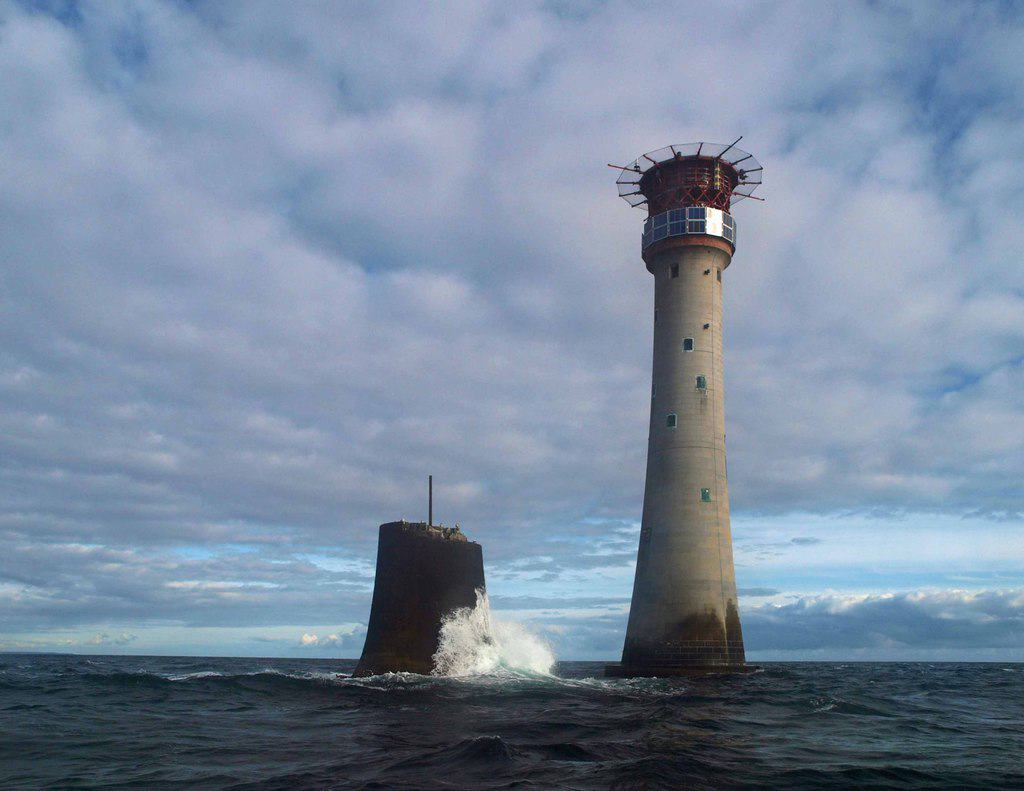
x=684, y=619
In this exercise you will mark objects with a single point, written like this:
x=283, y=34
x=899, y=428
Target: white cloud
x=327, y=641
x=105, y=639
x=924, y=620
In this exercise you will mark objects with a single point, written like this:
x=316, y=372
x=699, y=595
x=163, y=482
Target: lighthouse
x=684, y=617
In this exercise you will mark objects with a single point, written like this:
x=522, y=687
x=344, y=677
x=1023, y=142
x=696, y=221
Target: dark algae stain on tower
x=684, y=618
x=424, y=572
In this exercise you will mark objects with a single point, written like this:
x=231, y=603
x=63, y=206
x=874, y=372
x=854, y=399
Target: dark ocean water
x=150, y=722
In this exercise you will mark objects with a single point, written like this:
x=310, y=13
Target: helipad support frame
x=684, y=616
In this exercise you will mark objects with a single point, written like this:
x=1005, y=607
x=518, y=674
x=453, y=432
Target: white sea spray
x=474, y=643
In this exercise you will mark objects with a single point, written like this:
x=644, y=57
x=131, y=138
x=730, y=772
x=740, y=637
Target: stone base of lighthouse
x=424, y=572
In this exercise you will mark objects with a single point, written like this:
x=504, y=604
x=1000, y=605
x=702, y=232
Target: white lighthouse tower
x=684, y=618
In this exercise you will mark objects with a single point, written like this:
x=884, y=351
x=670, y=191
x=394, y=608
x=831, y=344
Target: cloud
x=351, y=640
x=105, y=639
x=928, y=619
x=64, y=585
x=264, y=271
x=754, y=592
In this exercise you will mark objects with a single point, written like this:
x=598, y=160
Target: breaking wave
x=474, y=643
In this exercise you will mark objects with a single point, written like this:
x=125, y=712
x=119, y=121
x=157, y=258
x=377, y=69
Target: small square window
x=687, y=344
x=670, y=421
x=707, y=326
x=705, y=495
x=675, y=270
x=702, y=382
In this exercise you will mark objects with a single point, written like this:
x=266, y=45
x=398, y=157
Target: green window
x=670, y=421
x=702, y=382
x=705, y=495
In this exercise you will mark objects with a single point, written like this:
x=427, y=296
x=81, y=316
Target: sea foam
x=475, y=643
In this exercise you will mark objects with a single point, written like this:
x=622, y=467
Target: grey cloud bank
x=264, y=267
x=983, y=624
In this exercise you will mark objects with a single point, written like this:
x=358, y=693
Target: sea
x=70, y=721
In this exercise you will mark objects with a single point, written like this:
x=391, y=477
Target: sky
x=264, y=266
